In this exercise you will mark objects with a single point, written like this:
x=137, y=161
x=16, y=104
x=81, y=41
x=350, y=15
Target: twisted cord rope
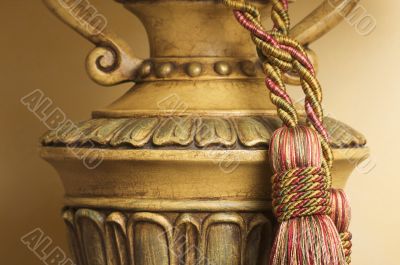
x=345, y=238
x=273, y=80
x=279, y=53
x=300, y=192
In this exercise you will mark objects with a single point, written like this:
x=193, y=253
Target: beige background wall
x=360, y=75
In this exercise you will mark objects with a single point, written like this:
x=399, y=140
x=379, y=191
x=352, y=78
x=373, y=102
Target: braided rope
x=345, y=238
x=297, y=191
x=300, y=192
x=278, y=54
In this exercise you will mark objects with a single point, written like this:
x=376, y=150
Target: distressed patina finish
x=175, y=171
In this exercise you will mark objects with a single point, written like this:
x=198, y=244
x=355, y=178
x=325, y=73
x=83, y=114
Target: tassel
x=301, y=201
x=341, y=216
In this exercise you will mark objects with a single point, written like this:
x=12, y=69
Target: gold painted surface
x=174, y=179
x=221, y=97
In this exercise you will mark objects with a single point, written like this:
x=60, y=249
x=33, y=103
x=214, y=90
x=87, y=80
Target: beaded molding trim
x=197, y=133
x=198, y=68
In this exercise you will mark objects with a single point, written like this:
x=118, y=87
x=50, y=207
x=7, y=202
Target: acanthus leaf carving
x=142, y=238
x=250, y=132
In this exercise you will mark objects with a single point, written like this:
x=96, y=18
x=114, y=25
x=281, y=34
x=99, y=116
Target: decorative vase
x=176, y=171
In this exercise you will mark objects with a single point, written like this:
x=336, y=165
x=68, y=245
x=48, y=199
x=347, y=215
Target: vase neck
x=192, y=29
x=202, y=63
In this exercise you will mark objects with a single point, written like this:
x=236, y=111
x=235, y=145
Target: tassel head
x=301, y=201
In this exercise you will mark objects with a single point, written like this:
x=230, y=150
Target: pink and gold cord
x=298, y=191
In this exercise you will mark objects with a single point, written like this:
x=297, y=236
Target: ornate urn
x=176, y=171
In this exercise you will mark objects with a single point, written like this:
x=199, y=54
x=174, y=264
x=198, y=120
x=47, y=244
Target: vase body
x=176, y=171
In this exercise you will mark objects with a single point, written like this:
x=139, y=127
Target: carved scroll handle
x=112, y=61
x=324, y=18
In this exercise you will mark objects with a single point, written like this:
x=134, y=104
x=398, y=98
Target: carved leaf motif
x=175, y=130
x=60, y=134
x=103, y=134
x=136, y=132
x=343, y=135
x=187, y=239
x=91, y=231
x=50, y=136
x=81, y=134
x=252, y=132
x=117, y=245
x=215, y=131
x=223, y=237
x=150, y=239
x=259, y=240
x=73, y=240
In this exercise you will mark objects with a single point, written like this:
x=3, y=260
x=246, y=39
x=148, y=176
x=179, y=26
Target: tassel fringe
x=309, y=240
x=341, y=216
